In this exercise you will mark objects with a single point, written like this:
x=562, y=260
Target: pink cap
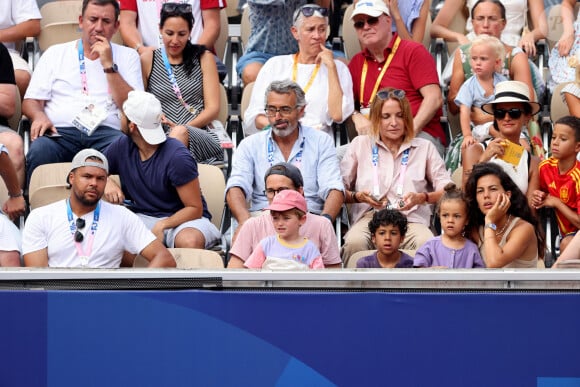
x=286, y=200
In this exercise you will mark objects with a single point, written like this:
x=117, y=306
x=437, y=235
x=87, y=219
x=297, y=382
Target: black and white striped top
x=204, y=146
x=191, y=88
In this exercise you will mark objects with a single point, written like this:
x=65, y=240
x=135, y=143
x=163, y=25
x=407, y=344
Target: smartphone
x=50, y=134
x=378, y=198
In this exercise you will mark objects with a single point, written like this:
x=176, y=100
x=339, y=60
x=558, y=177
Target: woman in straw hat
x=512, y=110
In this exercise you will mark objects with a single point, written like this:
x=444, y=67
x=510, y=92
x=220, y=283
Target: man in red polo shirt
x=389, y=61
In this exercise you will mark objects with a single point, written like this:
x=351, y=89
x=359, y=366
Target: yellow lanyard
x=380, y=77
x=295, y=73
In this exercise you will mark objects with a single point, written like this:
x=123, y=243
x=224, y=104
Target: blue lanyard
x=297, y=159
x=402, y=172
x=83, y=71
x=83, y=68
x=84, y=256
x=173, y=81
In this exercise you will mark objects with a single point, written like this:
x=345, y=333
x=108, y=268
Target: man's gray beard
x=283, y=132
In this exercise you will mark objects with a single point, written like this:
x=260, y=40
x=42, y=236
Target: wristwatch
x=493, y=226
x=112, y=69
x=17, y=195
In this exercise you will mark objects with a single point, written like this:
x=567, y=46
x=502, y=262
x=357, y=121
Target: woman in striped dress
x=184, y=77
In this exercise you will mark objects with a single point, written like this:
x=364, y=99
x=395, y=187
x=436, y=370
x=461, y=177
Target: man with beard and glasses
x=83, y=230
x=285, y=140
x=77, y=88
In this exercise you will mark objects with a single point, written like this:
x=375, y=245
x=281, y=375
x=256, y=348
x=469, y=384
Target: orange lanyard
x=381, y=75
x=295, y=73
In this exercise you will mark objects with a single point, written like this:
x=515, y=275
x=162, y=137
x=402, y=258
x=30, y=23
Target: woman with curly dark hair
x=501, y=222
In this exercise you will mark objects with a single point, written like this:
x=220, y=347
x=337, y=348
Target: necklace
x=500, y=232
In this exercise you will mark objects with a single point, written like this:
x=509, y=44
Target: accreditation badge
x=89, y=118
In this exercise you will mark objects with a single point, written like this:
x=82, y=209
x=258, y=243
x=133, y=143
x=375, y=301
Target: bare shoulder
x=523, y=228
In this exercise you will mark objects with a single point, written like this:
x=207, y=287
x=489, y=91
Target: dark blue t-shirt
x=151, y=184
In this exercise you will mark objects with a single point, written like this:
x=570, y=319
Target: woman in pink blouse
x=391, y=168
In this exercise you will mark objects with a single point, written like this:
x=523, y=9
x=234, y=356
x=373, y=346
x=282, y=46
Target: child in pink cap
x=286, y=250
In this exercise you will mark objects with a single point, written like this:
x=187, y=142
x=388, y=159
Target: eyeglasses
x=490, y=19
x=270, y=193
x=80, y=224
x=371, y=21
x=514, y=113
x=309, y=10
x=176, y=7
x=284, y=110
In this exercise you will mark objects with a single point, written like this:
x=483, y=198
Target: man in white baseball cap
x=159, y=177
x=387, y=60
x=144, y=111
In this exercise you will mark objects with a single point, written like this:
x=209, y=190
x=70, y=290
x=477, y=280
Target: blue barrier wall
x=223, y=338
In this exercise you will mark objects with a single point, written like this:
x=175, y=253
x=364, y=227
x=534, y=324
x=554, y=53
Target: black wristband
x=354, y=198
x=327, y=217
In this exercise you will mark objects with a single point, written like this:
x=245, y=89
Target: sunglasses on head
x=176, y=8
x=309, y=10
x=514, y=113
x=371, y=21
x=80, y=224
x=395, y=93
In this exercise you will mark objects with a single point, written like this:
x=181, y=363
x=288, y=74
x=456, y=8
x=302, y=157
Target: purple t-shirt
x=151, y=184
x=372, y=262
x=434, y=253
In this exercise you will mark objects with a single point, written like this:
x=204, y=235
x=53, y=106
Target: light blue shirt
x=319, y=166
x=472, y=94
x=409, y=10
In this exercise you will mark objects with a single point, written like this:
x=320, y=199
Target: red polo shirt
x=411, y=68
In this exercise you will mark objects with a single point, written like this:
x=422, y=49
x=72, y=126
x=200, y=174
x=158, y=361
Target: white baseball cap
x=145, y=111
x=373, y=8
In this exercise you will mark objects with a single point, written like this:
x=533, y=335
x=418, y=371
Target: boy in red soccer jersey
x=560, y=178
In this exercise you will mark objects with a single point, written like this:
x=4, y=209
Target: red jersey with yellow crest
x=565, y=186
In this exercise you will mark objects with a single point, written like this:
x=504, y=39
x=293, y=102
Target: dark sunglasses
x=514, y=113
x=371, y=21
x=308, y=10
x=80, y=223
x=176, y=7
x=395, y=93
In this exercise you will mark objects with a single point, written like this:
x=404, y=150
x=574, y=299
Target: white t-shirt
x=57, y=80
x=14, y=12
x=148, y=18
x=118, y=230
x=316, y=112
x=10, y=238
